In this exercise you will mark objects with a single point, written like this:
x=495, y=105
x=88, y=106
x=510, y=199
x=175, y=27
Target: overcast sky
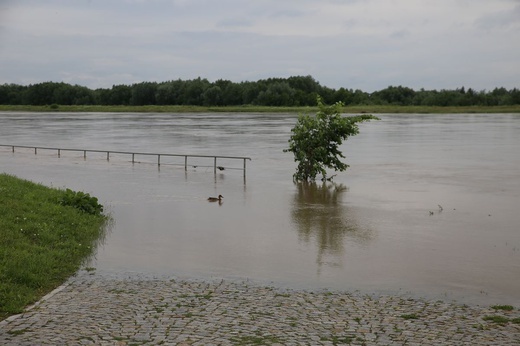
x=358, y=44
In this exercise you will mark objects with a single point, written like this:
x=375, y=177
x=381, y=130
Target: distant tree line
x=292, y=91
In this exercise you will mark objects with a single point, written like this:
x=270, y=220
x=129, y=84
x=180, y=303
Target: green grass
x=158, y=109
x=503, y=307
x=18, y=331
x=377, y=109
x=42, y=241
x=496, y=319
x=410, y=316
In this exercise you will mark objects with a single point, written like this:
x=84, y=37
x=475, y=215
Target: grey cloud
x=234, y=23
x=399, y=34
x=291, y=13
x=505, y=19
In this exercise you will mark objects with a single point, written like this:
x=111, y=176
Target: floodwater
x=429, y=206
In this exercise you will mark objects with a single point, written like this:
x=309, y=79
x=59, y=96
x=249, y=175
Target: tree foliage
x=292, y=91
x=315, y=140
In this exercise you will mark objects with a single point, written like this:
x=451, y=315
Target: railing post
x=133, y=156
x=35, y=152
x=59, y=152
x=185, y=163
x=108, y=155
x=158, y=159
x=13, y=148
x=84, y=154
x=244, y=168
x=215, y=165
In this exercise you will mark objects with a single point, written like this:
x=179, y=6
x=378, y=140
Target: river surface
x=430, y=206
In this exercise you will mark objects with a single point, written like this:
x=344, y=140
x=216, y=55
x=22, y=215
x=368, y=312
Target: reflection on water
x=321, y=218
x=104, y=234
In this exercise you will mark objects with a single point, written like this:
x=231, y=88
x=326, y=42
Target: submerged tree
x=315, y=140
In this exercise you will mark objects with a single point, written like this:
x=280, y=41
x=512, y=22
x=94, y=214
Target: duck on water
x=215, y=199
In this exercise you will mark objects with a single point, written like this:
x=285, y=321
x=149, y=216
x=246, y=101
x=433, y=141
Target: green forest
x=274, y=92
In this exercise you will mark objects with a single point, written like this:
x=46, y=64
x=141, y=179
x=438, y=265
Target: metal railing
x=134, y=154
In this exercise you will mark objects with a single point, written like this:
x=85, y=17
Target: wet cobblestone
x=91, y=310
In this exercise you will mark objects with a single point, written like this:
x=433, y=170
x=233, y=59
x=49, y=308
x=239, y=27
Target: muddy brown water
x=379, y=229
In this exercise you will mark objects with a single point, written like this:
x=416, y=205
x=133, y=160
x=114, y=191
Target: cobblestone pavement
x=90, y=310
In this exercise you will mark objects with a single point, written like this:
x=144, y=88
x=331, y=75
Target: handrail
x=108, y=152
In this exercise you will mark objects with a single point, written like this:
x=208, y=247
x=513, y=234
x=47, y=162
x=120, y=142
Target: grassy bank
x=262, y=109
x=44, y=239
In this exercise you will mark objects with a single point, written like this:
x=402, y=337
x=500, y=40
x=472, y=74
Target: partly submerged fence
x=134, y=154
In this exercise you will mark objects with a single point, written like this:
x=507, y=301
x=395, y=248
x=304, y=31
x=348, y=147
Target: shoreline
x=376, y=109
x=485, y=300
